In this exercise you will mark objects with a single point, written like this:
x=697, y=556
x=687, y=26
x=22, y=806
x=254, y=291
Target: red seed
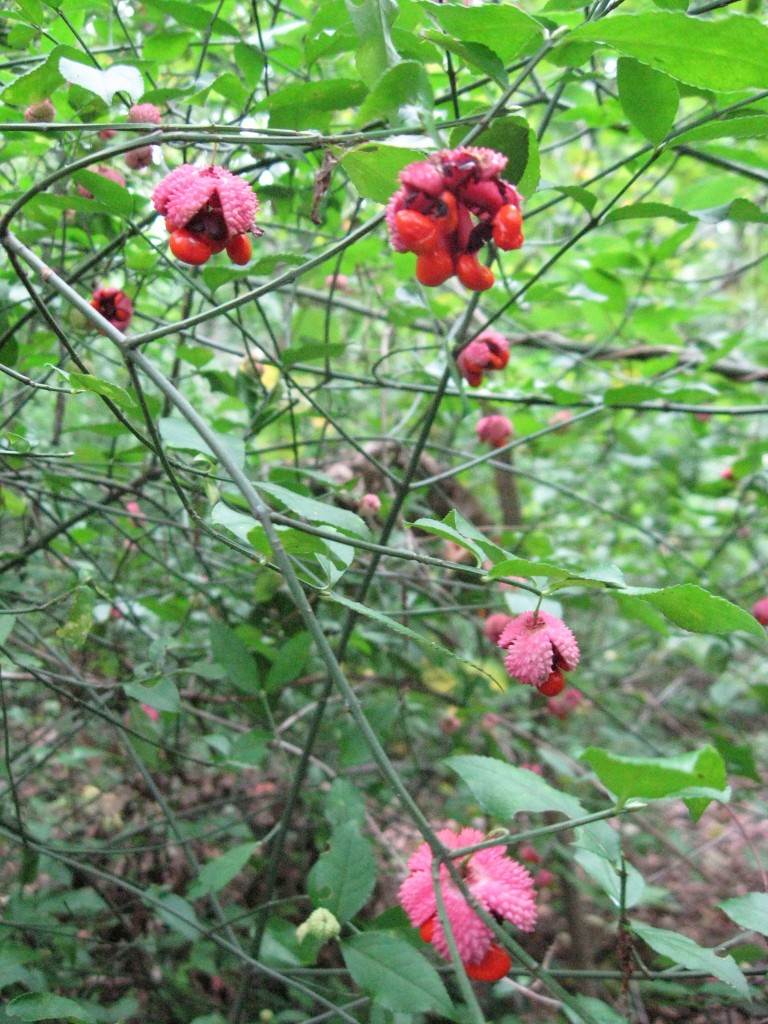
x=553, y=684
x=472, y=274
x=239, y=249
x=189, y=247
x=417, y=232
x=507, y=228
x=494, y=965
x=432, y=268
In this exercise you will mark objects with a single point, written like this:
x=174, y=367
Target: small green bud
x=321, y=924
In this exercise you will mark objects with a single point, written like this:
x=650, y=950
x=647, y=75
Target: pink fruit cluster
x=207, y=209
x=539, y=648
x=448, y=208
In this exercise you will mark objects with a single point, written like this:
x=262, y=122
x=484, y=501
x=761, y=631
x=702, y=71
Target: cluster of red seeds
x=203, y=237
x=448, y=208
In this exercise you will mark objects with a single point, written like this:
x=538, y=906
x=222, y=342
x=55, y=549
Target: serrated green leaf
x=343, y=877
x=439, y=529
x=405, y=84
x=649, y=98
x=110, y=194
x=752, y=126
x=475, y=55
x=220, y=871
x=505, y=29
x=116, y=394
x=372, y=20
x=695, y=609
x=316, y=511
x=394, y=974
x=750, y=911
x=700, y=773
x=373, y=170
x=642, y=211
x=689, y=954
x=504, y=791
x=725, y=55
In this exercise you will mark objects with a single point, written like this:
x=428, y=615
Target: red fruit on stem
x=472, y=274
x=189, y=248
x=432, y=268
x=427, y=930
x=494, y=965
x=553, y=684
x=417, y=232
x=239, y=249
x=507, y=228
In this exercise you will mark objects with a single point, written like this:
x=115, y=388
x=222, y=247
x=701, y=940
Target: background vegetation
x=228, y=698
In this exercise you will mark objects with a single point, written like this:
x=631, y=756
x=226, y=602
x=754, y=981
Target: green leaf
x=343, y=878
x=298, y=104
x=250, y=749
x=695, y=609
x=689, y=954
x=177, y=433
x=642, y=211
x=41, y=83
x=394, y=974
x=116, y=394
x=316, y=511
x=726, y=55
x=750, y=911
x=250, y=63
x=514, y=137
x=649, y=98
x=593, y=1011
x=501, y=27
x=698, y=774
x=504, y=791
x=476, y=55
x=179, y=915
x=219, y=872
x=193, y=14
x=373, y=20
x=164, y=695
x=752, y=126
x=166, y=45
x=449, y=533
x=33, y=1006
x=405, y=84
x=289, y=661
x=110, y=194
x=373, y=169
x=229, y=651
x=608, y=878
x=104, y=84
x=80, y=619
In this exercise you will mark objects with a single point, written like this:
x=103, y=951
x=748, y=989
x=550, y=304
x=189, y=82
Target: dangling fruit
x=417, y=232
x=189, y=247
x=427, y=930
x=472, y=274
x=239, y=249
x=432, y=268
x=494, y=965
x=553, y=684
x=507, y=228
